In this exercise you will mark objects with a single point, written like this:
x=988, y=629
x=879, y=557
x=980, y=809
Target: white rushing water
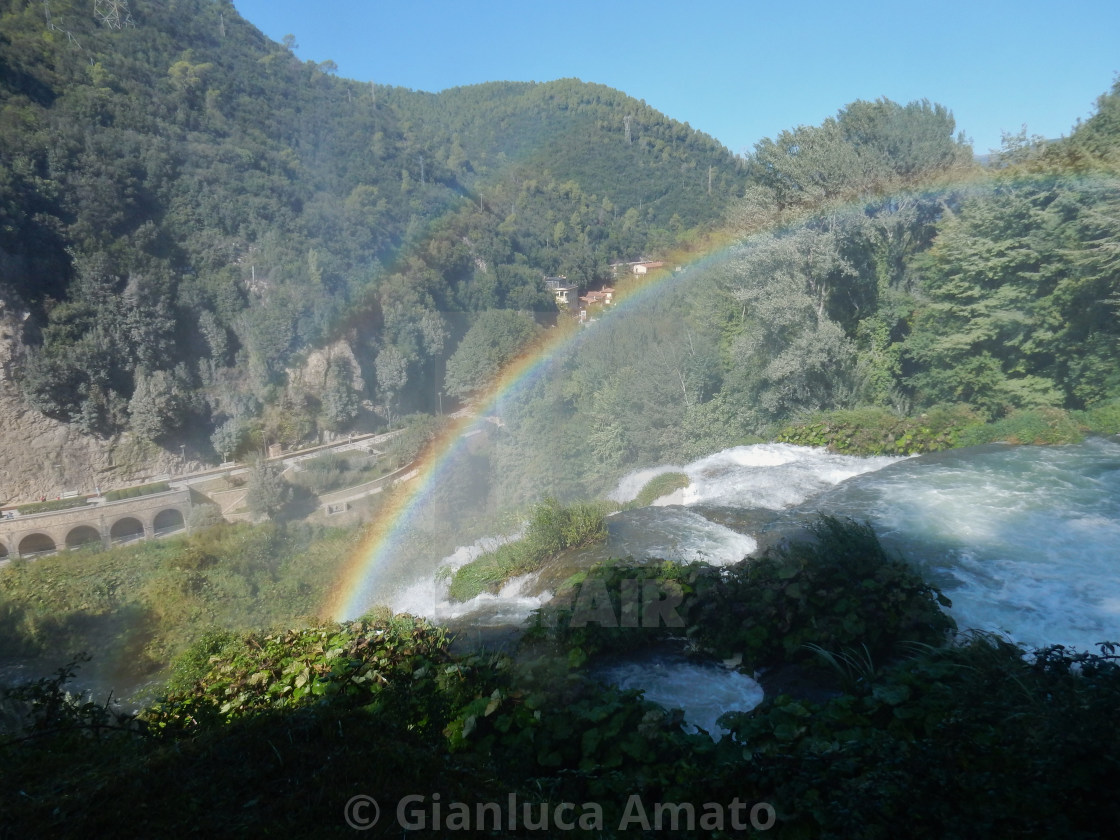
x=675, y=533
x=763, y=475
x=703, y=692
x=427, y=596
x=1024, y=540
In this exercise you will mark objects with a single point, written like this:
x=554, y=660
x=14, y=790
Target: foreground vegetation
x=552, y=528
x=145, y=603
x=906, y=731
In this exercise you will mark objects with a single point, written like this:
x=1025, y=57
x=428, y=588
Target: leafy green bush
x=629, y=586
x=929, y=747
x=52, y=505
x=333, y=471
x=552, y=528
x=1029, y=426
x=841, y=590
x=876, y=431
x=418, y=431
x=135, y=492
x=391, y=655
x=1102, y=419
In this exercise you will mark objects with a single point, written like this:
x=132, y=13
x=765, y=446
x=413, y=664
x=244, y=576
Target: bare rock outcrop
x=40, y=456
x=311, y=376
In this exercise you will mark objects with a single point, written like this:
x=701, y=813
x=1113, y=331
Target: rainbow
x=364, y=574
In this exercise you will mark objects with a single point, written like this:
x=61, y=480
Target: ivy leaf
x=892, y=695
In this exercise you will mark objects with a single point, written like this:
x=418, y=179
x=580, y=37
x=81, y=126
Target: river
x=1024, y=540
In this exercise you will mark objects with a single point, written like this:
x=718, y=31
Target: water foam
x=512, y=604
x=1025, y=540
x=762, y=475
x=676, y=533
x=771, y=475
x=703, y=692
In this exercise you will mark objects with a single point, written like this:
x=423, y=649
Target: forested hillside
x=188, y=211
x=187, y=208
x=884, y=293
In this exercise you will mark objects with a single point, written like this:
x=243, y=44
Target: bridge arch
x=36, y=543
x=168, y=521
x=3, y=551
x=83, y=535
x=126, y=528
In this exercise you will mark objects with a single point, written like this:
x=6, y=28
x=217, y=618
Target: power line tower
x=113, y=13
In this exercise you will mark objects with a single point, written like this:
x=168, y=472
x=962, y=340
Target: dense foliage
x=139, y=605
x=187, y=207
x=840, y=591
x=180, y=261
x=276, y=732
x=882, y=293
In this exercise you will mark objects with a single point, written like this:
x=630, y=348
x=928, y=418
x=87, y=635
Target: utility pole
x=626, y=122
x=709, y=179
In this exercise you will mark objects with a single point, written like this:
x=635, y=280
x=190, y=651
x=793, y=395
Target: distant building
x=602, y=297
x=566, y=294
x=646, y=267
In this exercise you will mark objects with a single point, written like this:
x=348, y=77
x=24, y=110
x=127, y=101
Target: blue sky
x=739, y=71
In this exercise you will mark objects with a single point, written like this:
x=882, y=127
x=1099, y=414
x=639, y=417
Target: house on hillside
x=566, y=294
x=646, y=267
x=602, y=297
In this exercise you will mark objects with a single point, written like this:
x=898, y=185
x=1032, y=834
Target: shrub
x=627, y=628
x=876, y=431
x=52, y=505
x=552, y=528
x=929, y=746
x=135, y=492
x=1102, y=419
x=658, y=486
x=1027, y=426
x=839, y=591
x=204, y=516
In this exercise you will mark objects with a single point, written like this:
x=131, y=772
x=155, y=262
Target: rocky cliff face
x=44, y=457
x=311, y=376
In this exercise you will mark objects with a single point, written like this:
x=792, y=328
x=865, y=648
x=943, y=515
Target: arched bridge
x=102, y=523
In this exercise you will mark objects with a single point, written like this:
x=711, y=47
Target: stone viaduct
x=98, y=522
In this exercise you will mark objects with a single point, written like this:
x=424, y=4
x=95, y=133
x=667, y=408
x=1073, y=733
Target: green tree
x=229, y=437
x=391, y=368
x=983, y=332
x=787, y=353
x=267, y=491
x=495, y=339
x=161, y=403
x=340, y=400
